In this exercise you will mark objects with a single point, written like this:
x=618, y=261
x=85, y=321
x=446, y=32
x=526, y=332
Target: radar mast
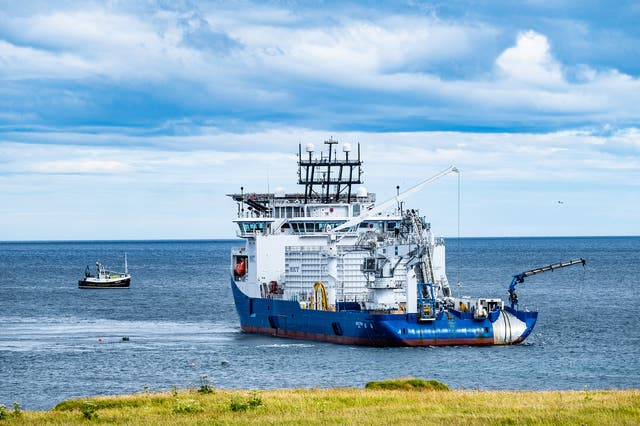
x=328, y=179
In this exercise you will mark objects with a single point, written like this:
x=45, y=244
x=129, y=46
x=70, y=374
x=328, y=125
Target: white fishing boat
x=105, y=278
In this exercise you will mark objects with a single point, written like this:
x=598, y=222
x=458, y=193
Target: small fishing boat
x=105, y=278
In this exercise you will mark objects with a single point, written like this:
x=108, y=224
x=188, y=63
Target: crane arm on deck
x=380, y=208
x=519, y=278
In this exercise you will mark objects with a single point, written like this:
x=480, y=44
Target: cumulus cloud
x=530, y=61
x=270, y=64
x=126, y=50
x=353, y=51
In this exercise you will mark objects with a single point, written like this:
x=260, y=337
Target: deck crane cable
x=390, y=202
x=458, y=241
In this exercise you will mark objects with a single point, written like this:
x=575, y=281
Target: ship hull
x=119, y=283
x=283, y=318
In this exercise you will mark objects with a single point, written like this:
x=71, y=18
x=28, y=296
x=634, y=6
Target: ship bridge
x=329, y=194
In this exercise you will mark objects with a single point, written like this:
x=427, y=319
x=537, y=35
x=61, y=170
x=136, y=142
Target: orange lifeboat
x=241, y=268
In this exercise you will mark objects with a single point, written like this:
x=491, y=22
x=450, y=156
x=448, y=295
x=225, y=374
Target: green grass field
x=395, y=402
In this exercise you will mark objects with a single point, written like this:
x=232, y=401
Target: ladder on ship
x=425, y=265
x=426, y=302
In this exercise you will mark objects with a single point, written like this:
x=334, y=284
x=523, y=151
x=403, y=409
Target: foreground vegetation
x=404, y=401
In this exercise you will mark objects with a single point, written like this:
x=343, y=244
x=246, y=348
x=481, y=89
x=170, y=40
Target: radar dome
x=279, y=193
x=346, y=147
x=310, y=147
x=362, y=192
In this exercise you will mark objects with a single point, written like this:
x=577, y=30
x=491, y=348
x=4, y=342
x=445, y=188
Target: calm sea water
x=181, y=323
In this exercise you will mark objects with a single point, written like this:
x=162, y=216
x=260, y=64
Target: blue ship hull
x=284, y=318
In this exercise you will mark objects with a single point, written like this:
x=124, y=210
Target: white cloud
x=213, y=155
x=100, y=43
x=272, y=61
x=530, y=61
x=79, y=166
x=94, y=31
x=176, y=186
x=19, y=63
x=355, y=49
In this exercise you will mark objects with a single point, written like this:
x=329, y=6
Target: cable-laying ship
x=330, y=265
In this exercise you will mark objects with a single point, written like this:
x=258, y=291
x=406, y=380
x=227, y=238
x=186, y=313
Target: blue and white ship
x=328, y=264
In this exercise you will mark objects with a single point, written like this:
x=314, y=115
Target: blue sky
x=131, y=120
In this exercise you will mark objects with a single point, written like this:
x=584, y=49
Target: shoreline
x=401, y=401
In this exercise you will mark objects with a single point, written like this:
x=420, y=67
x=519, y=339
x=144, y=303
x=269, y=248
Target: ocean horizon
x=229, y=239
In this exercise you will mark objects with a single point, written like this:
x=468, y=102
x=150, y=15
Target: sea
x=177, y=326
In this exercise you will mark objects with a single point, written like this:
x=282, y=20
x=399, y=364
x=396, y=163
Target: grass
x=408, y=383
x=398, y=402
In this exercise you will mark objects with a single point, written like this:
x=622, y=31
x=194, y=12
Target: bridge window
x=252, y=227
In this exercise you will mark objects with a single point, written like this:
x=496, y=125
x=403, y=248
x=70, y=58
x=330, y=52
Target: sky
x=132, y=120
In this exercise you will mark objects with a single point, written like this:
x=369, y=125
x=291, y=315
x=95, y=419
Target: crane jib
x=554, y=266
x=519, y=278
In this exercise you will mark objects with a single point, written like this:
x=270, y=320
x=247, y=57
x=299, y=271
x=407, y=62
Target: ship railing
x=352, y=248
x=316, y=199
x=322, y=161
x=327, y=181
x=388, y=238
x=254, y=215
x=352, y=298
x=320, y=250
x=277, y=296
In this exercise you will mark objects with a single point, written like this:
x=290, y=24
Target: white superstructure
x=332, y=244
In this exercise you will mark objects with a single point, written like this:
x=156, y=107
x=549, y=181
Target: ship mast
x=319, y=171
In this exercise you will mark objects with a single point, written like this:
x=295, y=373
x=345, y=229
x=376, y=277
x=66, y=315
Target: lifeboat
x=241, y=268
